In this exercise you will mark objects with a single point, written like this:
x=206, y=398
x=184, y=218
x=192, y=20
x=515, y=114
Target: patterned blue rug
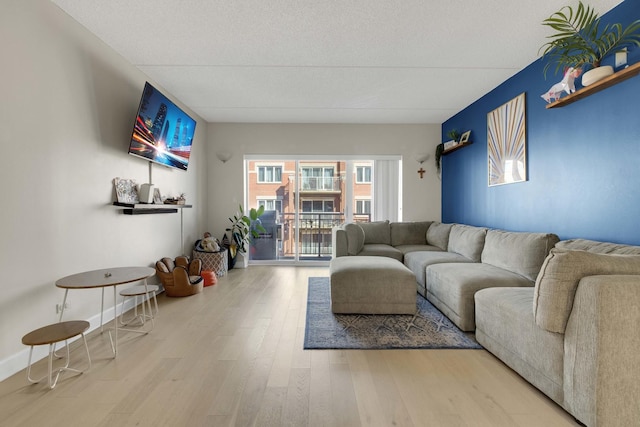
x=427, y=329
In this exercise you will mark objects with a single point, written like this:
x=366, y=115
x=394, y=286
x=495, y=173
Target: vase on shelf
x=596, y=74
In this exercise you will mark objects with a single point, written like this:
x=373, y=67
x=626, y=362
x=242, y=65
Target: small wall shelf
x=145, y=209
x=615, y=78
x=456, y=147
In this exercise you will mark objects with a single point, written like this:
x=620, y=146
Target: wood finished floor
x=232, y=356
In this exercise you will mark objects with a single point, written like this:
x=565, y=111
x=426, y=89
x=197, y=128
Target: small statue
x=567, y=84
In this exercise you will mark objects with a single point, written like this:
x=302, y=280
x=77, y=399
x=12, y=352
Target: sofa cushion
x=522, y=253
x=559, y=277
x=419, y=260
x=598, y=247
x=376, y=249
x=438, y=235
x=376, y=232
x=355, y=238
x=451, y=287
x=505, y=326
x=467, y=240
x=409, y=233
x=405, y=249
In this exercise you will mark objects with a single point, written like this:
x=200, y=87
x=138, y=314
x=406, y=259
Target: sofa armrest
x=340, y=243
x=602, y=351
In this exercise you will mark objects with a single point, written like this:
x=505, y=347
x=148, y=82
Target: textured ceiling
x=333, y=61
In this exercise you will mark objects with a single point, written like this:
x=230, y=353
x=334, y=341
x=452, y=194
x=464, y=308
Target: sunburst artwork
x=507, y=142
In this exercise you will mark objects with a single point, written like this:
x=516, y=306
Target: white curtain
x=387, y=193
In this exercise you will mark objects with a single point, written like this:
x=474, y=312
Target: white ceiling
x=331, y=61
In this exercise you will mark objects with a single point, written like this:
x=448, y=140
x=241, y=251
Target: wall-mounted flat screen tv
x=162, y=132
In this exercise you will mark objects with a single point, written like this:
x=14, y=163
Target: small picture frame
x=465, y=137
x=157, y=198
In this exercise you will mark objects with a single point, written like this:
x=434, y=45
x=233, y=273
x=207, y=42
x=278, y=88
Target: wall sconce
x=224, y=156
x=421, y=157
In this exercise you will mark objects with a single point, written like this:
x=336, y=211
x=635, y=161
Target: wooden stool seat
x=52, y=334
x=140, y=291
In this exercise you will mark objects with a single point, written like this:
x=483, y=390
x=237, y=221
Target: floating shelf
x=615, y=78
x=456, y=147
x=147, y=209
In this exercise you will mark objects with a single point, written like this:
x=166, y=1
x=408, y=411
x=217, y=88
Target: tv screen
x=162, y=132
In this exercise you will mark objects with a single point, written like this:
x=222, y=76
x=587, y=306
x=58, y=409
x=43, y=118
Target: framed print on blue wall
x=507, y=143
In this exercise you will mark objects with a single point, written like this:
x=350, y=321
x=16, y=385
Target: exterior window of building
x=363, y=174
x=271, y=204
x=318, y=178
x=363, y=206
x=269, y=174
x=317, y=206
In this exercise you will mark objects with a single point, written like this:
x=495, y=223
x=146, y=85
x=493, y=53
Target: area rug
x=427, y=329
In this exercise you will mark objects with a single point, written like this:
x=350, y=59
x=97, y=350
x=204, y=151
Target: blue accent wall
x=583, y=159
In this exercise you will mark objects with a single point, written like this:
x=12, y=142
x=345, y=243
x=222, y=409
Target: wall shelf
x=456, y=147
x=146, y=209
x=615, y=78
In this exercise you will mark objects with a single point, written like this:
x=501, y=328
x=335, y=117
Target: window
x=318, y=178
x=269, y=174
x=271, y=204
x=363, y=206
x=363, y=174
x=317, y=206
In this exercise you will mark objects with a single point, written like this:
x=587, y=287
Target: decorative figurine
x=567, y=84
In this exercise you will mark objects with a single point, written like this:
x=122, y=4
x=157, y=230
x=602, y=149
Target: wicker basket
x=214, y=261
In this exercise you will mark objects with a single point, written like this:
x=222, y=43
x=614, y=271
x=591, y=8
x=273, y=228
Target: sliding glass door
x=304, y=198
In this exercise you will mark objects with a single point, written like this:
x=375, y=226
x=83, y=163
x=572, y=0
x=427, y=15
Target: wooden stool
x=140, y=291
x=52, y=334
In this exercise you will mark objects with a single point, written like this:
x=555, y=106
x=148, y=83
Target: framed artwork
x=465, y=137
x=126, y=190
x=157, y=198
x=506, y=142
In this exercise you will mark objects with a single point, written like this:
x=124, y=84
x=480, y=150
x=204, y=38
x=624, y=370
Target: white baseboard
x=19, y=361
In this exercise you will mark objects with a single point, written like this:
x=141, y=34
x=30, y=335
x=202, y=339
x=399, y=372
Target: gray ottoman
x=371, y=285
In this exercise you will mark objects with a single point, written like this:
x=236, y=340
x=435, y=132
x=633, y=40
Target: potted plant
x=580, y=41
x=243, y=228
x=454, y=135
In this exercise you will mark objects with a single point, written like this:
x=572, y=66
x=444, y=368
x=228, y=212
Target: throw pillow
x=559, y=277
x=355, y=238
x=438, y=235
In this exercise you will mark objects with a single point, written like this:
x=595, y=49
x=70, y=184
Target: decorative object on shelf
x=126, y=190
x=465, y=137
x=620, y=76
x=567, y=84
x=180, y=200
x=578, y=40
x=244, y=227
x=157, y=197
x=506, y=142
x=224, y=156
x=454, y=135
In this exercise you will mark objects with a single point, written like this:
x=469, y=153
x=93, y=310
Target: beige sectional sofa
x=575, y=334
x=565, y=315
x=450, y=261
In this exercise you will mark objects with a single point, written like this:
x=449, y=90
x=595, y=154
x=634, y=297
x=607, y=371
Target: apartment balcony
x=320, y=185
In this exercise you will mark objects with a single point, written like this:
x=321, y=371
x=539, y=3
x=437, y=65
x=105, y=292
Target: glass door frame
x=350, y=161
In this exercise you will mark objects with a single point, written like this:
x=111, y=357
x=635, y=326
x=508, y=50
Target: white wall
x=66, y=111
x=421, y=197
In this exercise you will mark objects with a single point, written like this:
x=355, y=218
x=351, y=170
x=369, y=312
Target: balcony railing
x=311, y=183
x=315, y=231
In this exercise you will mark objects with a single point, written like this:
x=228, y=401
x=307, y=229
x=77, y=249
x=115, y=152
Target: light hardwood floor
x=232, y=356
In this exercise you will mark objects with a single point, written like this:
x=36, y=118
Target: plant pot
x=242, y=260
x=596, y=74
